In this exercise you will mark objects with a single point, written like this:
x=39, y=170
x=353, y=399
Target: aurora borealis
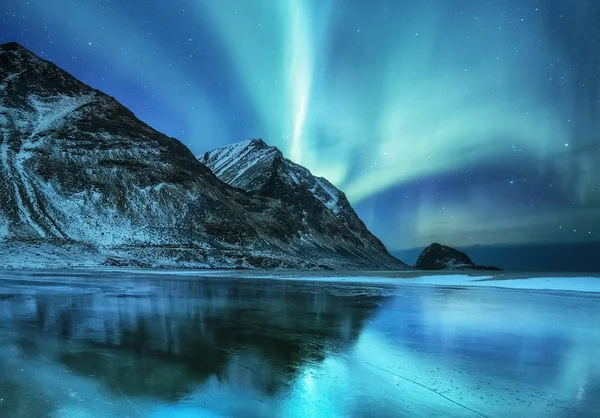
x=460, y=121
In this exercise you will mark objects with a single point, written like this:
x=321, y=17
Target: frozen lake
x=118, y=344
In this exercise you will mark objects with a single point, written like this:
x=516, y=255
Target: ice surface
x=206, y=344
x=580, y=284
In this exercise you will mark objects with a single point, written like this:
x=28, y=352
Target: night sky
x=458, y=121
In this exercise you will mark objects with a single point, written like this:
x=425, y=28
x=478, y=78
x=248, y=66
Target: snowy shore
x=526, y=281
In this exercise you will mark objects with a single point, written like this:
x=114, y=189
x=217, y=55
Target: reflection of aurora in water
x=462, y=121
x=223, y=347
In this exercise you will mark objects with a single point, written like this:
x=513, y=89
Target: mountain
x=262, y=170
x=84, y=182
x=442, y=257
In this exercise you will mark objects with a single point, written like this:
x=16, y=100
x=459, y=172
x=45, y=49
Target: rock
x=442, y=257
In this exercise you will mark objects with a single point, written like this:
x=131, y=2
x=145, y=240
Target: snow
x=328, y=195
x=236, y=156
x=230, y=163
x=22, y=210
x=13, y=76
x=256, y=158
x=27, y=182
x=229, y=156
x=45, y=115
x=156, y=187
x=325, y=185
x=453, y=264
x=3, y=227
x=575, y=284
x=557, y=283
x=76, y=130
x=112, y=229
x=294, y=178
x=48, y=114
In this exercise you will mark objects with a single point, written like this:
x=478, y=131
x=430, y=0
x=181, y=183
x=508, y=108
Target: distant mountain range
x=84, y=182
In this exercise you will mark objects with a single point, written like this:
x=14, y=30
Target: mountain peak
x=259, y=142
x=262, y=170
x=229, y=162
x=19, y=50
x=11, y=46
x=26, y=78
x=256, y=144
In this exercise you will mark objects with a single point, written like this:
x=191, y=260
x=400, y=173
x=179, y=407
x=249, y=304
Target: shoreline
x=554, y=281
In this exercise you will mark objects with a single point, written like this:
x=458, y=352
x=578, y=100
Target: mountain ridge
x=81, y=171
x=262, y=170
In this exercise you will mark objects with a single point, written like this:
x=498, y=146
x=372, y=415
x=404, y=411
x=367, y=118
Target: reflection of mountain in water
x=277, y=348
x=166, y=343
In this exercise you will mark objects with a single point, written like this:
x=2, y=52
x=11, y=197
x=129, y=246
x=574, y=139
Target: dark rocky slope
x=262, y=170
x=83, y=180
x=442, y=257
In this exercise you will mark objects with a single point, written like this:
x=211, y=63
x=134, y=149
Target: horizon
x=536, y=257
x=546, y=183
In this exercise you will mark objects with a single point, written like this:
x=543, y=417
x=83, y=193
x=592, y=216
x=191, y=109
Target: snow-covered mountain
x=84, y=181
x=262, y=170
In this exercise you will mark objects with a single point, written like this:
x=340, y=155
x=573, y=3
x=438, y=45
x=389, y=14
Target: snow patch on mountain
x=332, y=194
x=48, y=114
x=9, y=178
x=3, y=228
x=232, y=163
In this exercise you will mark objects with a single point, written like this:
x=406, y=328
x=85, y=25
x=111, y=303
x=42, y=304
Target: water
x=119, y=345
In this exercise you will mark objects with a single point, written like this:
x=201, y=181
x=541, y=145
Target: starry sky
x=459, y=121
